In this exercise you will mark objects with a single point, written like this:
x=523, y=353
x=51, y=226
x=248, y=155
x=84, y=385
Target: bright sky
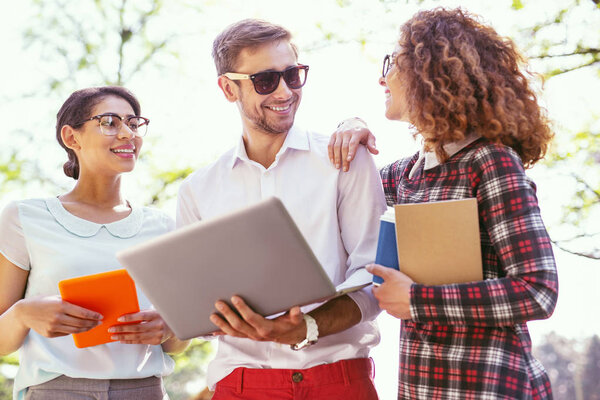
x=192, y=123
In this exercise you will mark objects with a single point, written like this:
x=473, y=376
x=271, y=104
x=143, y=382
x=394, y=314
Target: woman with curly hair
x=460, y=85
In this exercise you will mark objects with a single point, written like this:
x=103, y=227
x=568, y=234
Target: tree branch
x=148, y=56
x=565, y=70
x=586, y=185
x=593, y=254
x=583, y=51
x=125, y=35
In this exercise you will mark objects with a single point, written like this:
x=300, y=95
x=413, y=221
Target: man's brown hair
x=244, y=34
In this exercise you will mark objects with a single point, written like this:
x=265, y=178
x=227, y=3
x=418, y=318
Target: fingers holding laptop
x=144, y=327
x=288, y=328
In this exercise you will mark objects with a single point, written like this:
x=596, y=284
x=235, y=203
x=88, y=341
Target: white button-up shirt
x=338, y=214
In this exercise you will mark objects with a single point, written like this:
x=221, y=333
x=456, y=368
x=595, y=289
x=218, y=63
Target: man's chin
x=277, y=129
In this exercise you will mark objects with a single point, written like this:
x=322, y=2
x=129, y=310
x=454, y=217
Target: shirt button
x=297, y=377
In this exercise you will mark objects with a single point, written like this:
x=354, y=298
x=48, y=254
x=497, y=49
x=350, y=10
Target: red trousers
x=342, y=380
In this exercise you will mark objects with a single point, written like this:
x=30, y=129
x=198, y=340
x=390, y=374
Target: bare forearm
x=12, y=331
x=175, y=346
x=336, y=315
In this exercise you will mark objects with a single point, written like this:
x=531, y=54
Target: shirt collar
x=296, y=138
x=124, y=228
x=431, y=160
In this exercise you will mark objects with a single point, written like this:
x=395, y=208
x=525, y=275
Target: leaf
x=517, y=4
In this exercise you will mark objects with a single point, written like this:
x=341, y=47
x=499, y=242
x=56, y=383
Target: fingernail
x=345, y=169
x=337, y=166
x=111, y=330
x=120, y=319
x=219, y=306
x=114, y=338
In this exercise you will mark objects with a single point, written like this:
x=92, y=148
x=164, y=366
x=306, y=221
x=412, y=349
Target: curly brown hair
x=461, y=76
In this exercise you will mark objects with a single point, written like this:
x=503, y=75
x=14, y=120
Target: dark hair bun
x=71, y=169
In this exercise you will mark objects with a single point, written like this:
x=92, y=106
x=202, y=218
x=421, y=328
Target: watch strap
x=312, y=333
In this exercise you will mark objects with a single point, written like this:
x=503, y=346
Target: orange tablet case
x=112, y=294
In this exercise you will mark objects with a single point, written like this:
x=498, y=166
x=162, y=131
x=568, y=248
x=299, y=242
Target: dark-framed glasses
x=387, y=65
x=111, y=124
x=267, y=82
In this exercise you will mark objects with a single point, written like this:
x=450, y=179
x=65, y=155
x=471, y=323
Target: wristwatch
x=312, y=334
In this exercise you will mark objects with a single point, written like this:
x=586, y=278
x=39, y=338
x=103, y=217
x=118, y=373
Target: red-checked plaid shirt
x=470, y=341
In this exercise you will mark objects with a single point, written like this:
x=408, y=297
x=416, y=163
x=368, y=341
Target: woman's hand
x=144, y=327
x=50, y=316
x=344, y=142
x=393, y=294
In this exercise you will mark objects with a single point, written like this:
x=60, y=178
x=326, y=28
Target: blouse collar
x=123, y=228
x=429, y=158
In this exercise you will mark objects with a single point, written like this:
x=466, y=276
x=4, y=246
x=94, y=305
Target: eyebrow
x=276, y=70
x=112, y=114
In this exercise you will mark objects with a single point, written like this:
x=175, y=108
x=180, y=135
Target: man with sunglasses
x=320, y=351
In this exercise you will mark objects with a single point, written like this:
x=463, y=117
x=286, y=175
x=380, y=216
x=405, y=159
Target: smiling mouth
x=280, y=108
x=126, y=151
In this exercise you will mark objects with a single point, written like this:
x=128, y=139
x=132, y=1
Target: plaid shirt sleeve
x=388, y=179
x=520, y=283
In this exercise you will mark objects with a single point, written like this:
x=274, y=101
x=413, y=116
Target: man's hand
x=343, y=143
x=394, y=293
x=288, y=328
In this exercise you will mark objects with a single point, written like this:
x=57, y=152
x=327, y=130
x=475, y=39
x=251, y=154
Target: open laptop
x=257, y=253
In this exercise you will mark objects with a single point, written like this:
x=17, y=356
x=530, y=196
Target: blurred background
x=161, y=51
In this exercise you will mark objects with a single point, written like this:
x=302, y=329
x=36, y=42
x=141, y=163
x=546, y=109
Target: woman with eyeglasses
x=461, y=87
x=44, y=241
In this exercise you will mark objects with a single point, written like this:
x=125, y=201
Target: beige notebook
x=438, y=242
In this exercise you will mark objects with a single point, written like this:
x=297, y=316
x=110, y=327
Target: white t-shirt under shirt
x=338, y=214
x=42, y=237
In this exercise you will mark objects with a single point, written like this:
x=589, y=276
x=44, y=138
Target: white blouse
x=42, y=237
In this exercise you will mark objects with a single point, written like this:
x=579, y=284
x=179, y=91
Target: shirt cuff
x=366, y=302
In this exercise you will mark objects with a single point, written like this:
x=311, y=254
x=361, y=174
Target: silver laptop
x=257, y=253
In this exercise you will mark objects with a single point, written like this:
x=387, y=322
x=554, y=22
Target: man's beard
x=261, y=122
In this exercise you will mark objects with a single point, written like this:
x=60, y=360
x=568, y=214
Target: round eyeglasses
x=111, y=124
x=387, y=65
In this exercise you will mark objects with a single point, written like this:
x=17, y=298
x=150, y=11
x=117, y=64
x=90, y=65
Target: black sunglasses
x=267, y=82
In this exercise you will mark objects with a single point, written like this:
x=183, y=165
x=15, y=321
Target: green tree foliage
x=6, y=384
x=110, y=45
x=568, y=42
x=190, y=366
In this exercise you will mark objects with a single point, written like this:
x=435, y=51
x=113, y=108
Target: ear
x=229, y=88
x=70, y=137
